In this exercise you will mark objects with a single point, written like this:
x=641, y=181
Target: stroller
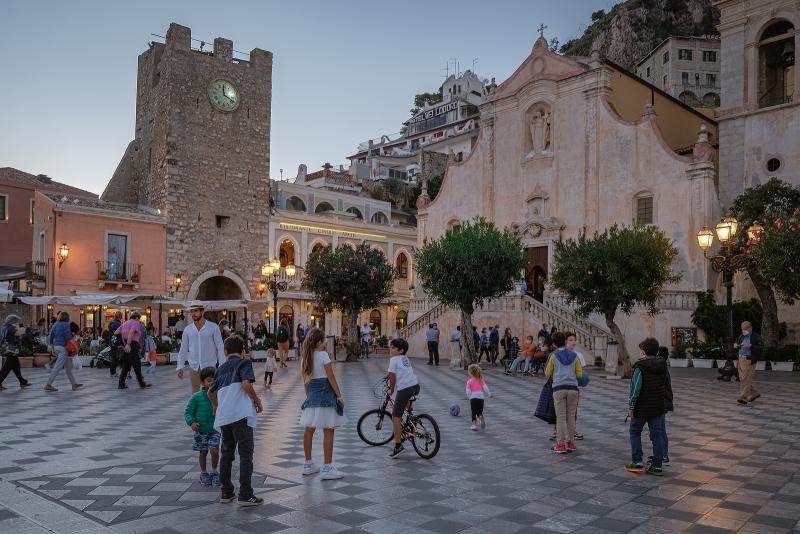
x=102, y=358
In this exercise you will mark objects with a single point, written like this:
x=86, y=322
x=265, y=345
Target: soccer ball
x=455, y=409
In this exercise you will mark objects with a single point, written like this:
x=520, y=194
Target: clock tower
x=201, y=155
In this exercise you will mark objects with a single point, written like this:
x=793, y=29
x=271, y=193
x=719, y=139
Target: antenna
x=474, y=62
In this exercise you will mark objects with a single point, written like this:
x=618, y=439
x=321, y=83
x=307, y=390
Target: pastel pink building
x=90, y=246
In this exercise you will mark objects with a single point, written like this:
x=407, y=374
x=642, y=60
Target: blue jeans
x=657, y=429
x=528, y=362
x=515, y=364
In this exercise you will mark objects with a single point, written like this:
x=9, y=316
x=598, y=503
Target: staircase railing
x=423, y=320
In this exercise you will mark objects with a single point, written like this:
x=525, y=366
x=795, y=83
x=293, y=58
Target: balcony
x=36, y=271
x=112, y=273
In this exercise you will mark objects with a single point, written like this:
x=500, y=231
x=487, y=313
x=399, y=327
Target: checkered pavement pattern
x=68, y=459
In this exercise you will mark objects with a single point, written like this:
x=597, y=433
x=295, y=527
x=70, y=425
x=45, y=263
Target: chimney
x=326, y=170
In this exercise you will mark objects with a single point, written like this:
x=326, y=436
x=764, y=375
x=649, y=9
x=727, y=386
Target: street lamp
x=63, y=253
x=274, y=280
x=727, y=262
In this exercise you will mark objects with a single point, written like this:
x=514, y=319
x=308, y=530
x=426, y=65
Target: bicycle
x=375, y=427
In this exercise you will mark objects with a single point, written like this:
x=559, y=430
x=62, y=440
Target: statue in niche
x=540, y=132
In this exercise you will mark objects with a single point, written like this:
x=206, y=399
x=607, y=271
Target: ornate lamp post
x=273, y=274
x=727, y=262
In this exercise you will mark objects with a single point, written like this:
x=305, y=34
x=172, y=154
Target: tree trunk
x=622, y=349
x=469, y=352
x=353, y=346
x=770, y=327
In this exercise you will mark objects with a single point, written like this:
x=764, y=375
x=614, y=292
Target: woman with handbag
x=60, y=336
x=9, y=346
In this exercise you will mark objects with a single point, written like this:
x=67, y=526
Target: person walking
x=484, y=349
x=201, y=346
x=494, y=344
x=282, y=337
x=116, y=348
x=749, y=346
x=300, y=336
x=131, y=333
x=455, y=347
x=565, y=368
x=432, y=337
x=476, y=390
x=366, y=340
x=180, y=326
x=646, y=404
x=504, y=342
x=60, y=335
x=9, y=346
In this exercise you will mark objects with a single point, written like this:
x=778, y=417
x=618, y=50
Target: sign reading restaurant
x=435, y=112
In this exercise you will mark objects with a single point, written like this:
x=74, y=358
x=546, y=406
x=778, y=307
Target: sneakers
x=483, y=422
x=252, y=501
x=226, y=497
x=309, y=468
x=741, y=401
x=25, y=384
x=145, y=385
x=205, y=479
x=578, y=436
x=553, y=436
x=329, y=472
x=571, y=447
x=559, y=448
x=215, y=479
x=123, y=386
x=76, y=386
x=473, y=426
x=634, y=467
x=656, y=471
x=49, y=388
x=396, y=451
x=664, y=461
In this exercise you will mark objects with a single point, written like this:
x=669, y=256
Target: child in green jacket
x=199, y=415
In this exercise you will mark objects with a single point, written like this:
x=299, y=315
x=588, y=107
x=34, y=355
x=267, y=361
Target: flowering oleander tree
x=770, y=205
x=615, y=270
x=351, y=280
x=468, y=265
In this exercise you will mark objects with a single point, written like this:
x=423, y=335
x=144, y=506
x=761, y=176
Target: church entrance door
x=536, y=271
x=219, y=288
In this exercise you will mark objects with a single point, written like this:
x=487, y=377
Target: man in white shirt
x=180, y=326
x=366, y=339
x=201, y=346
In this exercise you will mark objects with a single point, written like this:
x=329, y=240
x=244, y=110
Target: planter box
x=173, y=357
x=702, y=363
x=162, y=359
x=760, y=366
x=783, y=366
x=40, y=359
x=678, y=362
x=380, y=350
x=721, y=363
x=258, y=355
x=25, y=361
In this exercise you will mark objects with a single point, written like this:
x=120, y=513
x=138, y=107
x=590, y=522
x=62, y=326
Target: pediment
x=541, y=64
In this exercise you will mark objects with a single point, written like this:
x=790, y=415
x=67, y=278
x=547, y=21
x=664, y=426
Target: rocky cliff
x=633, y=28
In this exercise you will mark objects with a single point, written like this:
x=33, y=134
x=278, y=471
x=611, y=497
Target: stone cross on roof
x=541, y=30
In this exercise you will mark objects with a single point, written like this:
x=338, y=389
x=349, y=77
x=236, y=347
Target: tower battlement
x=180, y=38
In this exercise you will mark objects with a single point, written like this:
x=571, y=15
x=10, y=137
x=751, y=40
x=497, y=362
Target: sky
x=344, y=71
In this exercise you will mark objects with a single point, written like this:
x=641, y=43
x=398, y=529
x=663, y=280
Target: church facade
x=572, y=144
x=201, y=155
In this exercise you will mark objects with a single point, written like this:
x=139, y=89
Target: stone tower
x=201, y=154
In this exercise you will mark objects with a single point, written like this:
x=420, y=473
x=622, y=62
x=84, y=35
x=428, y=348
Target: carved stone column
x=488, y=140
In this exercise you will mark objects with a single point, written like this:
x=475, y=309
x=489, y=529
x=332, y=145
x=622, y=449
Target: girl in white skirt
x=324, y=405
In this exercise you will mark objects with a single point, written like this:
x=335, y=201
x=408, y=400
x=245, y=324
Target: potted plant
x=704, y=354
x=382, y=345
x=677, y=358
x=782, y=358
x=258, y=349
x=41, y=355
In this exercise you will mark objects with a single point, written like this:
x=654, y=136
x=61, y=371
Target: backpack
x=282, y=336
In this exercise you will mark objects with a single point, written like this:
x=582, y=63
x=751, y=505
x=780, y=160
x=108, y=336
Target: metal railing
x=36, y=271
x=118, y=272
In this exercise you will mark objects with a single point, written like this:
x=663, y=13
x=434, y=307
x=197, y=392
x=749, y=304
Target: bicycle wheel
x=375, y=427
x=426, y=438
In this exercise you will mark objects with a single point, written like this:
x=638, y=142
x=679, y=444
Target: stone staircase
x=590, y=337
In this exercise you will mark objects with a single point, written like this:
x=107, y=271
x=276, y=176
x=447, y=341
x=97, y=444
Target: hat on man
x=195, y=305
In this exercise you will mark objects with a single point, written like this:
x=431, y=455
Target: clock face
x=224, y=95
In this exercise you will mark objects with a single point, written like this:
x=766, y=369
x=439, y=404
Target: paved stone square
x=104, y=460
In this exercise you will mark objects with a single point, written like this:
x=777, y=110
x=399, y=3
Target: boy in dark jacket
x=647, y=404
x=663, y=352
x=199, y=415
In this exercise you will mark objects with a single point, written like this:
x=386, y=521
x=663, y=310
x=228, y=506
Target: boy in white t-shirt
x=402, y=380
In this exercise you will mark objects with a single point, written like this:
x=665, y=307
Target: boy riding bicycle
x=402, y=380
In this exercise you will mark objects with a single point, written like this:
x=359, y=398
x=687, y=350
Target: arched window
x=356, y=212
x=454, y=224
x=322, y=207
x=776, y=64
x=317, y=247
x=286, y=254
x=295, y=204
x=688, y=98
x=401, y=266
x=375, y=322
x=379, y=218
x=711, y=100
x=401, y=319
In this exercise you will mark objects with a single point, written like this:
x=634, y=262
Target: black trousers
x=130, y=360
x=234, y=435
x=11, y=364
x=268, y=377
x=115, y=360
x=433, y=352
x=476, y=406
